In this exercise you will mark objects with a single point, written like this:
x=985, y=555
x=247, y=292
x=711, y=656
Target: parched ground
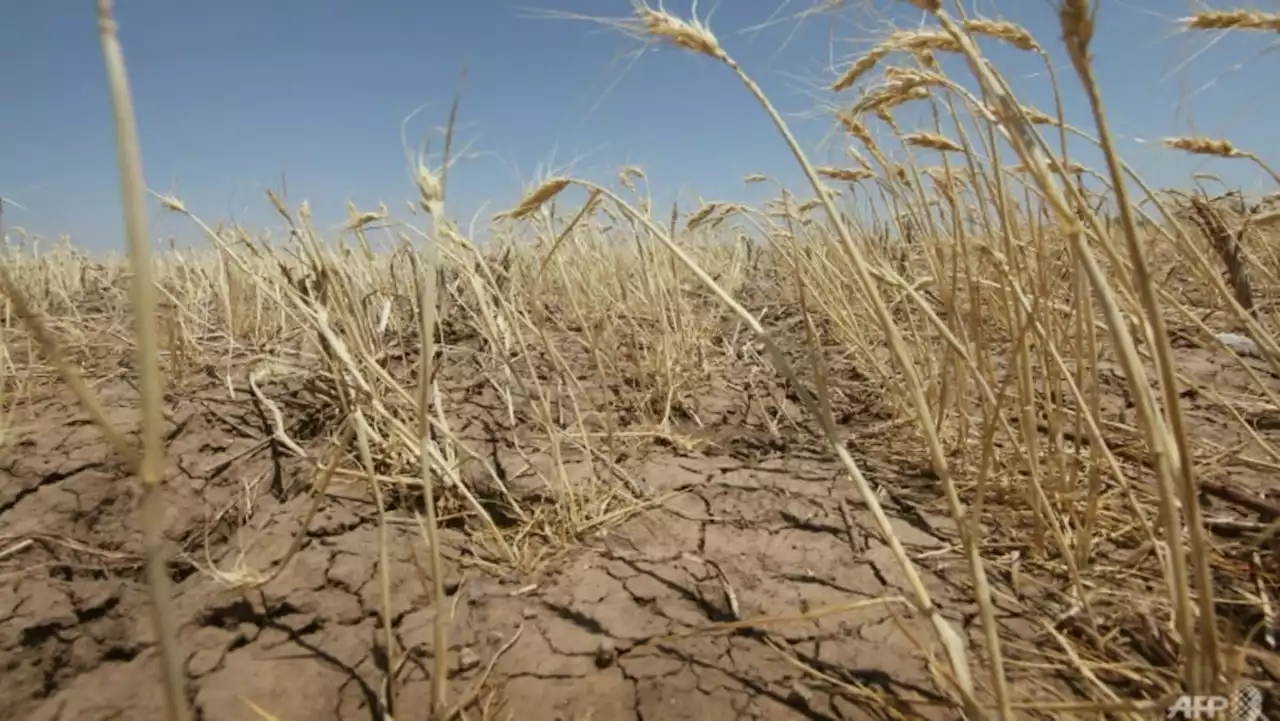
x=635, y=620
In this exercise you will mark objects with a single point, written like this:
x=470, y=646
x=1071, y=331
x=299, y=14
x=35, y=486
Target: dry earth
x=770, y=522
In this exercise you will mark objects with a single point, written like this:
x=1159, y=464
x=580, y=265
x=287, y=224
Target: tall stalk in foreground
x=431, y=199
x=150, y=383
x=1077, y=31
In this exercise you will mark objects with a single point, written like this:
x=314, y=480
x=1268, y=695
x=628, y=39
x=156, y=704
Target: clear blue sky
x=231, y=94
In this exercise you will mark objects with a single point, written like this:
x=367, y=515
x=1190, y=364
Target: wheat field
x=933, y=436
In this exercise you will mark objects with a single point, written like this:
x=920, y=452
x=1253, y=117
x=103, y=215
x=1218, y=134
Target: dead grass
x=1059, y=377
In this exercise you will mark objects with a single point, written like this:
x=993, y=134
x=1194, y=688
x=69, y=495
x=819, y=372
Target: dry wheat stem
x=431, y=195
x=151, y=463
x=1206, y=677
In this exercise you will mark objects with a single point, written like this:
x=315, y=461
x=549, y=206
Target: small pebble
x=800, y=694
x=1242, y=345
x=606, y=653
x=467, y=659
